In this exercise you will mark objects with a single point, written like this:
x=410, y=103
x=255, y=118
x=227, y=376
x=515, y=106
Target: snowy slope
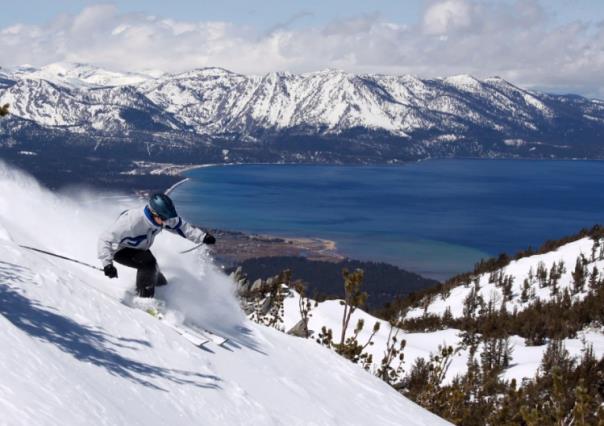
x=73, y=354
x=521, y=270
x=525, y=359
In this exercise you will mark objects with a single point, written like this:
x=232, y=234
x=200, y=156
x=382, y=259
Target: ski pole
x=191, y=249
x=61, y=257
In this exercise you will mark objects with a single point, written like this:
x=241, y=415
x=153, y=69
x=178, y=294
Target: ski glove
x=209, y=239
x=110, y=271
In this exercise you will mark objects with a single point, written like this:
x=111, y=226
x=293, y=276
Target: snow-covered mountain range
x=72, y=354
x=321, y=116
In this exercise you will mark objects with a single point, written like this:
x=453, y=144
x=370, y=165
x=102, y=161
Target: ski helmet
x=162, y=205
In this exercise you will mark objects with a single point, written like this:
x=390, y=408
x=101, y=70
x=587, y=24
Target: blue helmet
x=162, y=205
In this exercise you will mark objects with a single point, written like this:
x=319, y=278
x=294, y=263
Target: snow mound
x=73, y=354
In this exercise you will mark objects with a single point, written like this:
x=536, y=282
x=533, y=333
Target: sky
x=550, y=45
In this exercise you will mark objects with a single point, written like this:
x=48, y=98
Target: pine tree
x=304, y=305
x=555, y=356
x=558, y=397
x=561, y=268
x=394, y=350
x=531, y=416
x=353, y=297
x=583, y=401
x=554, y=277
x=579, y=275
x=594, y=248
x=325, y=337
x=542, y=275
x=447, y=316
x=430, y=395
x=526, y=286
x=531, y=275
x=506, y=287
x=476, y=282
x=593, y=279
x=355, y=351
x=268, y=307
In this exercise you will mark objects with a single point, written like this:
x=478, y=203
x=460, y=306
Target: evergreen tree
x=304, y=305
x=542, y=275
x=593, y=279
x=394, y=351
x=594, y=248
x=583, y=400
x=579, y=275
x=506, y=287
x=476, y=282
x=353, y=297
x=531, y=275
x=325, y=337
x=355, y=351
x=526, y=287
x=424, y=382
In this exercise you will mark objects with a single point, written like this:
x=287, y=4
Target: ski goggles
x=172, y=222
x=168, y=223
x=163, y=219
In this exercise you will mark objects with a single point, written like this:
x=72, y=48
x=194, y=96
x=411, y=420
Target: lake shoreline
x=242, y=246
x=437, y=218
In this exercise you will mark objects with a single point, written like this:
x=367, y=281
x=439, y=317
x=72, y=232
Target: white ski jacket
x=136, y=229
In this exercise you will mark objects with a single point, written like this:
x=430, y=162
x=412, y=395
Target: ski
x=214, y=337
x=156, y=307
x=198, y=341
x=153, y=308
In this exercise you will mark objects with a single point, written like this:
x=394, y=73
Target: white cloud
x=443, y=16
x=518, y=41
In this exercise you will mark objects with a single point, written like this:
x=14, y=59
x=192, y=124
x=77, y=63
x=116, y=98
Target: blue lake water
x=436, y=217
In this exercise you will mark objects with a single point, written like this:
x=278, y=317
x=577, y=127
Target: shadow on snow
x=84, y=343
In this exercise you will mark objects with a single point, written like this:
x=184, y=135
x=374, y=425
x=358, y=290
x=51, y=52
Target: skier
x=128, y=241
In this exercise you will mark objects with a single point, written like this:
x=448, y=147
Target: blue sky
x=268, y=13
x=262, y=14
x=551, y=45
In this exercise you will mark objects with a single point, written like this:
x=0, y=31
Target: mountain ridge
x=323, y=116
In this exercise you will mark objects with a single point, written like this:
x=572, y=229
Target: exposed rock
x=266, y=306
x=257, y=286
x=299, y=330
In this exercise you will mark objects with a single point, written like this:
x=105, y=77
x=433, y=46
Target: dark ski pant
x=148, y=275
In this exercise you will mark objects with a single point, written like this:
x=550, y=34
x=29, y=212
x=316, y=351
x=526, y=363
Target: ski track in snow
x=73, y=354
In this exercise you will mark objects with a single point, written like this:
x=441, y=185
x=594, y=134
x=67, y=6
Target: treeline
x=560, y=318
x=565, y=391
x=484, y=266
x=382, y=282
